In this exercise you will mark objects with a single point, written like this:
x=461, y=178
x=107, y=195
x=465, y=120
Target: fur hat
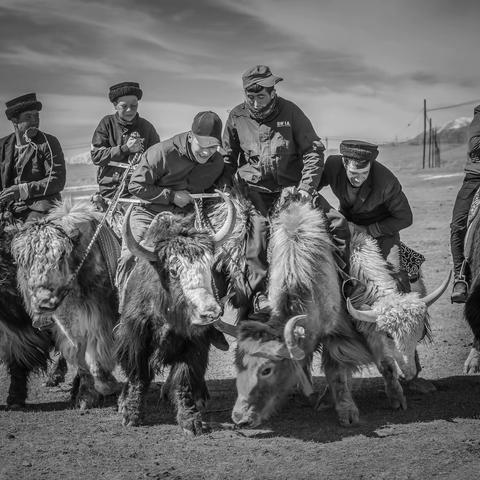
x=21, y=104
x=125, y=88
x=359, y=153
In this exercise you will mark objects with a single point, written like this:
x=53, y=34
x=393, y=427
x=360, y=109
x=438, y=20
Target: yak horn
x=437, y=293
x=295, y=328
x=224, y=233
x=227, y=328
x=361, y=315
x=135, y=247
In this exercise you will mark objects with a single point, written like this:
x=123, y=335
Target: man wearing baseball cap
x=166, y=176
x=370, y=195
x=270, y=144
x=32, y=166
x=118, y=137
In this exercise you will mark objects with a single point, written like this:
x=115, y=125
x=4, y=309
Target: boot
x=459, y=291
x=218, y=340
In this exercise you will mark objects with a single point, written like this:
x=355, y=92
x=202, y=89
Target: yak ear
x=273, y=350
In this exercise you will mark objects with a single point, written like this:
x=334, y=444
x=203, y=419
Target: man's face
x=29, y=120
x=202, y=148
x=356, y=176
x=258, y=101
x=126, y=107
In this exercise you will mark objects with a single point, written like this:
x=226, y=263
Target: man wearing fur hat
x=119, y=137
x=370, y=195
x=270, y=144
x=32, y=166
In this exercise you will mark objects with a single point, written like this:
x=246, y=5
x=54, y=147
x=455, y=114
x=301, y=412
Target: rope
x=110, y=210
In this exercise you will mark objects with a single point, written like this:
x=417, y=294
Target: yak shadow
x=456, y=397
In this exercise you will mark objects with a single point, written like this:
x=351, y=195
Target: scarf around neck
x=266, y=113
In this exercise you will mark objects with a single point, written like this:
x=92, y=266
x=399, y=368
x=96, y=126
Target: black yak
x=168, y=313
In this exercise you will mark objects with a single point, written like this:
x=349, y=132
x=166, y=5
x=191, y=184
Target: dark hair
x=256, y=88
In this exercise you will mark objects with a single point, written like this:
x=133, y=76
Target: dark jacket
x=107, y=146
x=381, y=205
x=472, y=167
x=42, y=170
x=281, y=152
x=167, y=167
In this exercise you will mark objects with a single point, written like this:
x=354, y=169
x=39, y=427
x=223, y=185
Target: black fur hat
x=22, y=104
x=125, y=88
x=358, y=152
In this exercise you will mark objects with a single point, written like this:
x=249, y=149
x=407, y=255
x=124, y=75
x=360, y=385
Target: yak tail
x=134, y=347
x=472, y=309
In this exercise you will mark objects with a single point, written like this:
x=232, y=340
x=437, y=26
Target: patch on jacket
x=285, y=123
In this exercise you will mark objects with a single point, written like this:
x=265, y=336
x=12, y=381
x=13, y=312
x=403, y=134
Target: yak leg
x=472, y=363
x=84, y=395
x=132, y=401
x=383, y=350
x=338, y=378
x=188, y=391
x=58, y=372
x=17, y=393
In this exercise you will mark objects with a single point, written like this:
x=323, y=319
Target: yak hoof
x=472, y=363
x=131, y=420
x=193, y=425
x=348, y=416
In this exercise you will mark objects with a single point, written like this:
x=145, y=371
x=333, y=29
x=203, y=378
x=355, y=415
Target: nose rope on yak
x=109, y=211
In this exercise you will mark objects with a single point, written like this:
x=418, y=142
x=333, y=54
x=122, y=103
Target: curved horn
x=222, y=235
x=361, y=315
x=295, y=328
x=227, y=328
x=136, y=248
x=437, y=293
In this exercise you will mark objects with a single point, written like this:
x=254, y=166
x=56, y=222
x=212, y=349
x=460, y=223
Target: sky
x=357, y=68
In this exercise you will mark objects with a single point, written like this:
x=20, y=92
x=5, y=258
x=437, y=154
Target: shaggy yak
x=308, y=314
x=23, y=348
x=167, y=318
x=472, y=305
x=81, y=304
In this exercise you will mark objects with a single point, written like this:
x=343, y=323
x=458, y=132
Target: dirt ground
x=438, y=436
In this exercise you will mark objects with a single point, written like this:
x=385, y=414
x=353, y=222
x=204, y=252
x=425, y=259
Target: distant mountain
x=454, y=131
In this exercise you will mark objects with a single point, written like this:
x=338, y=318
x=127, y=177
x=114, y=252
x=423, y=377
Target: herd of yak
x=58, y=293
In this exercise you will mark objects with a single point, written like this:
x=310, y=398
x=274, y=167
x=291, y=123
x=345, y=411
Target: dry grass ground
x=438, y=436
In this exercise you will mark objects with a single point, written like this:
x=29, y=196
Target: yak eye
x=173, y=271
x=266, y=371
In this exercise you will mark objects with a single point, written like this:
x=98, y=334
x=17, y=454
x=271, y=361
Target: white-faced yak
x=167, y=318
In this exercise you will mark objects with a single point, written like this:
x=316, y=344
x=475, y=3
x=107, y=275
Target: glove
x=181, y=198
x=10, y=194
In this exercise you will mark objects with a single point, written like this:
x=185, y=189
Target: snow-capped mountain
x=454, y=131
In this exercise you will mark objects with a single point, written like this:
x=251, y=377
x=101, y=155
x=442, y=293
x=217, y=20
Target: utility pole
x=430, y=159
x=424, y=130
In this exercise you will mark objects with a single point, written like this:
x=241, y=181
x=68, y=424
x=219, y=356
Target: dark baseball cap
x=207, y=126
x=259, y=75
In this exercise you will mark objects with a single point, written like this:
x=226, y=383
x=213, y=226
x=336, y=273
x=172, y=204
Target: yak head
x=270, y=365
x=183, y=258
x=48, y=251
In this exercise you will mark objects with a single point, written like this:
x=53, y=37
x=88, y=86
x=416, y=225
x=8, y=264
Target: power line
x=445, y=107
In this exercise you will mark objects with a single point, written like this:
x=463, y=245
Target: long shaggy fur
x=48, y=251
x=399, y=314
x=155, y=329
